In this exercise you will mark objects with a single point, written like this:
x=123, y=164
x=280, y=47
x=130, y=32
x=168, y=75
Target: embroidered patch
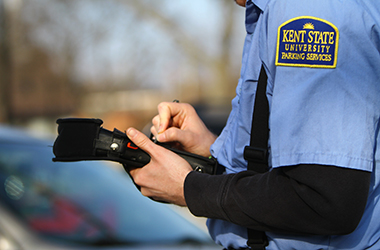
x=307, y=42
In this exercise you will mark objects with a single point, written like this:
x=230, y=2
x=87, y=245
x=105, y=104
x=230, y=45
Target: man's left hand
x=163, y=178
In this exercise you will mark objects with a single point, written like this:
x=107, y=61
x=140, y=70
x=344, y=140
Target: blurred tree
x=181, y=48
x=223, y=65
x=146, y=44
x=29, y=85
x=5, y=66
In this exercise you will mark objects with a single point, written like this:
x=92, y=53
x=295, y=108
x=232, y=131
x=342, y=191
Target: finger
x=149, y=193
x=141, y=140
x=133, y=171
x=170, y=135
x=154, y=132
x=156, y=122
x=165, y=115
x=166, y=112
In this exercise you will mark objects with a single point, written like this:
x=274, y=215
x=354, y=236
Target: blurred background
x=116, y=59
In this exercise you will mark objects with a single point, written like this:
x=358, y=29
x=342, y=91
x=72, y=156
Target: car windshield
x=86, y=202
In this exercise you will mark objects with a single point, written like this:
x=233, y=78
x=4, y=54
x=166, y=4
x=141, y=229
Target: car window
x=86, y=202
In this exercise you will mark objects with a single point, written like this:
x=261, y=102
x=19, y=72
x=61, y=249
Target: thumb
x=141, y=140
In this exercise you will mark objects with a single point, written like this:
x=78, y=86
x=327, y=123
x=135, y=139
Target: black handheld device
x=82, y=139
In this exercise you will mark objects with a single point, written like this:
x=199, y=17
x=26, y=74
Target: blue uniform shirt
x=323, y=64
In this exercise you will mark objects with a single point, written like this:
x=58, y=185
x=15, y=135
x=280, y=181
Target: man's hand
x=179, y=122
x=163, y=178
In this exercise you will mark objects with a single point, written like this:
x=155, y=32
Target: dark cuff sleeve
x=308, y=199
x=203, y=194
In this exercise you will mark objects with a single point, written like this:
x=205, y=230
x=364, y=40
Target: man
x=323, y=88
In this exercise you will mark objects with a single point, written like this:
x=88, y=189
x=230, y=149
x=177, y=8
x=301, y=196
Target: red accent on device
x=129, y=145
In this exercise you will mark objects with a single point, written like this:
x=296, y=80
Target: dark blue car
x=80, y=205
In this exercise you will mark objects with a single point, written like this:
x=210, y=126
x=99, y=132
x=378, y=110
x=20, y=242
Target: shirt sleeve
x=308, y=199
x=321, y=112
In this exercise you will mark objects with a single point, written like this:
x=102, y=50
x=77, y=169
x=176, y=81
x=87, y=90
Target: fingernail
x=161, y=137
x=131, y=132
x=159, y=129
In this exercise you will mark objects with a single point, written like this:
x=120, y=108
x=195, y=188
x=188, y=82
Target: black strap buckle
x=257, y=240
x=256, y=155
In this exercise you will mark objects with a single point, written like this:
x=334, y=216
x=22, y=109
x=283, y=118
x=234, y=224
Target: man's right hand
x=180, y=123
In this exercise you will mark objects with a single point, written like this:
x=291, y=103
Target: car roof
x=16, y=135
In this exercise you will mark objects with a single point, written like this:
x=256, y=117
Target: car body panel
x=80, y=205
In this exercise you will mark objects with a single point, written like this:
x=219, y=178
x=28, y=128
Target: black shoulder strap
x=257, y=152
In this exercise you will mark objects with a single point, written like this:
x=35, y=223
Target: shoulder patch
x=307, y=42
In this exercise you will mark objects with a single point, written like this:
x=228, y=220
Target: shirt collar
x=252, y=13
x=261, y=4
